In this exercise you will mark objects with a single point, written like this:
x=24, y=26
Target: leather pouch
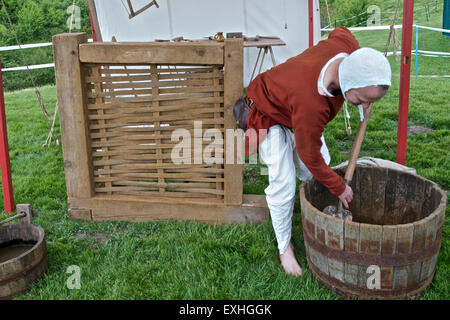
x=241, y=111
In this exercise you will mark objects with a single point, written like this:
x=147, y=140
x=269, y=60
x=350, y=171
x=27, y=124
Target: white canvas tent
x=196, y=19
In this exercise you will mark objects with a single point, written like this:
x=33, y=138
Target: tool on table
x=340, y=212
x=219, y=37
x=267, y=37
x=234, y=35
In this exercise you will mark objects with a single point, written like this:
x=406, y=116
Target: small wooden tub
x=17, y=274
x=397, y=227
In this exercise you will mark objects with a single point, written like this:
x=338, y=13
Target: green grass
x=187, y=260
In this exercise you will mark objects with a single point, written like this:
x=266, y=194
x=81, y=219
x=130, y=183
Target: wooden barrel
x=395, y=234
x=17, y=274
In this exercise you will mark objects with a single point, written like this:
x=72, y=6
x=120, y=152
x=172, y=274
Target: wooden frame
x=119, y=103
x=135, y=13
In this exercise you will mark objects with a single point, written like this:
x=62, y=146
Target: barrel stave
x=390, y=205
x=335, y=240
x=351, y=244
x=370, y=244
x=388, y=248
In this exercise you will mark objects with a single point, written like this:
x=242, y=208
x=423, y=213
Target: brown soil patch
x=251, y=174
x=419, y=129
x=101, y=238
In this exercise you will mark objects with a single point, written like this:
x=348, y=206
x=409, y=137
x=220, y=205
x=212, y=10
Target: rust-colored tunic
x=287, y=94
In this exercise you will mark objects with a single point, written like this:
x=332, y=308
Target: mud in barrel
x=395, y=234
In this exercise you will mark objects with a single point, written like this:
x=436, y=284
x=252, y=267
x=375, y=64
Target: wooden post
x=233, y=88
x=5, y=165
x=311, y=22
x=132, y=14
x=405, y=69
x=73, y=114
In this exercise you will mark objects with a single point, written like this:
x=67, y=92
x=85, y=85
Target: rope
x=348, y=127
x=328, y=12
x=71, y=17
x=392, y=33
x=48, y=141
x=352, y=17
x=169, y=12
x=284, y=14
x=36, y=90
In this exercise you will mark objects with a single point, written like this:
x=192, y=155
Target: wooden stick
x=357, y=145
x=133, y=14
x=355, y=152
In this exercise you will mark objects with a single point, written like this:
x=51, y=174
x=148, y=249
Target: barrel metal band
x=361, y=258
x=349, y=289
x=15, y=294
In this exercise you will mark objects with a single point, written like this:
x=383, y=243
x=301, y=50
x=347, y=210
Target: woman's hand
x=347, y=196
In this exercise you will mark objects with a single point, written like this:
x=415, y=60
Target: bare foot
x=289, y=262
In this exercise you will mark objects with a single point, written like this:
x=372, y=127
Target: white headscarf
x=362, y=68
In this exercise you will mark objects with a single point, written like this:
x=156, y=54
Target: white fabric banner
x=197, y=19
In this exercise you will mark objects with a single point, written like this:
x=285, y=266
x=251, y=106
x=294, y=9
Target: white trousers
x=278, y=152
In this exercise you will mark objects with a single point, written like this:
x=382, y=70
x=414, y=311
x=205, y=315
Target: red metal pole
x=311, y=22
x=94, y=36
x=405, y=69
x=5, y=165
